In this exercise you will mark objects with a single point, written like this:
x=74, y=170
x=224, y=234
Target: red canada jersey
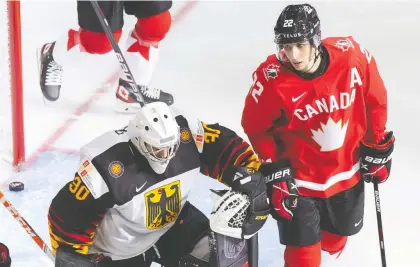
x=318, y=124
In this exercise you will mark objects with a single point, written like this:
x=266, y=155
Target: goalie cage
x=12, y=145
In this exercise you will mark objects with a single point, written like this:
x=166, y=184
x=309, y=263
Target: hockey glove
x=376, y=159
x=5, y=260
x=242, y=211
x=282, y=189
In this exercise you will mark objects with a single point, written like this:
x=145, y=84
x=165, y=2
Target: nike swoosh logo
x=139, y=188
x=294, y=99
x=357, y=224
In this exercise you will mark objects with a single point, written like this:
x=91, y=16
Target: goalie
x=127, y=204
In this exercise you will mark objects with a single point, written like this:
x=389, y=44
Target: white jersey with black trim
x=146, y=204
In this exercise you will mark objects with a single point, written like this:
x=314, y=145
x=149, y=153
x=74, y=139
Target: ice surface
x=207, y=62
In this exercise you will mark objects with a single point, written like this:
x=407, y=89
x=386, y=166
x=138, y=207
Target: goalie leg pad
x=190, y=227
x=226, y=251
x=66, y=257
x=191, y=261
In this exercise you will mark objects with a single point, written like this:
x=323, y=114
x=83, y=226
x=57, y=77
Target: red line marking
x=184, y=10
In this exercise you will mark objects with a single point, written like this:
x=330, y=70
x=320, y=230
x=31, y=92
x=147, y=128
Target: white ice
x=207, y=61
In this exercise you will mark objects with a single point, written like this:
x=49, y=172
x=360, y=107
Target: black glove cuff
x=276, y=172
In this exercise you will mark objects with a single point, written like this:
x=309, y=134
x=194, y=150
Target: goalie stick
x=253, y=251
x=25, y=225
x=123, y=63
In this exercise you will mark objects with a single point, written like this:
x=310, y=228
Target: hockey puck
x=16, y=186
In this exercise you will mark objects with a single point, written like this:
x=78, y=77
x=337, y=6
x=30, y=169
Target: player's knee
x=154, y=28
x=185, y=237
x=199, y=256
x=332, y=243
x=96, y=42
x=307, y=256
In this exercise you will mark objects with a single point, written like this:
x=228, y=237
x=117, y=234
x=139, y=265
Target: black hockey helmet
x=298, y=23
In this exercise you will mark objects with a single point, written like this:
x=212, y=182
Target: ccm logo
x=378, y=161
x=277, y=175
x=261, y=217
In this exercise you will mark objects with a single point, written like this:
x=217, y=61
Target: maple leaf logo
x=344, y=45
x=271, y=71
x=330, y=136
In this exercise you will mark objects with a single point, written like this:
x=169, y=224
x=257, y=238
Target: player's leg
x=89, y=38
x=188, y=236
x=342, y=216
x=142, y=260
x=142, y=50
x=66, y=257
x=186, y=244
x=302, y=235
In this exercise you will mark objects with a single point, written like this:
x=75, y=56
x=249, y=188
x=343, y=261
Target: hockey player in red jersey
x=316, y=114
x=141, y=53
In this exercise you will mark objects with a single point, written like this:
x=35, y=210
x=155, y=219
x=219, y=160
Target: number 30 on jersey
x=79, y=190
x=256, y=88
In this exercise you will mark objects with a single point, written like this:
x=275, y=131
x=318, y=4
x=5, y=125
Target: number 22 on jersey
x=256, y=88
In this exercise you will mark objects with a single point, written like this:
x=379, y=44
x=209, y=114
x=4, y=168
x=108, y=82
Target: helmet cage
x=159, y=154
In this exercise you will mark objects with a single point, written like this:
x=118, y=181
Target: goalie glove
x=242, y=211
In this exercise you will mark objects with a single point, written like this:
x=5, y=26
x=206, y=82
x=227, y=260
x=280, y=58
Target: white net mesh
x=235, y=204
x=238, y=220
x=5, y=92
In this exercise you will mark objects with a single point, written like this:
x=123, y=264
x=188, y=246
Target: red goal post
x=13, y=143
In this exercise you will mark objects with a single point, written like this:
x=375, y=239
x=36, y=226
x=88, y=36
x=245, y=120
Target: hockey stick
x=379, y=220
x=25, y=225
x=253, y=251
x=123, y=63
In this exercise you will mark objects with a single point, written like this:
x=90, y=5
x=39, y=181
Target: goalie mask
x=155, y=133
